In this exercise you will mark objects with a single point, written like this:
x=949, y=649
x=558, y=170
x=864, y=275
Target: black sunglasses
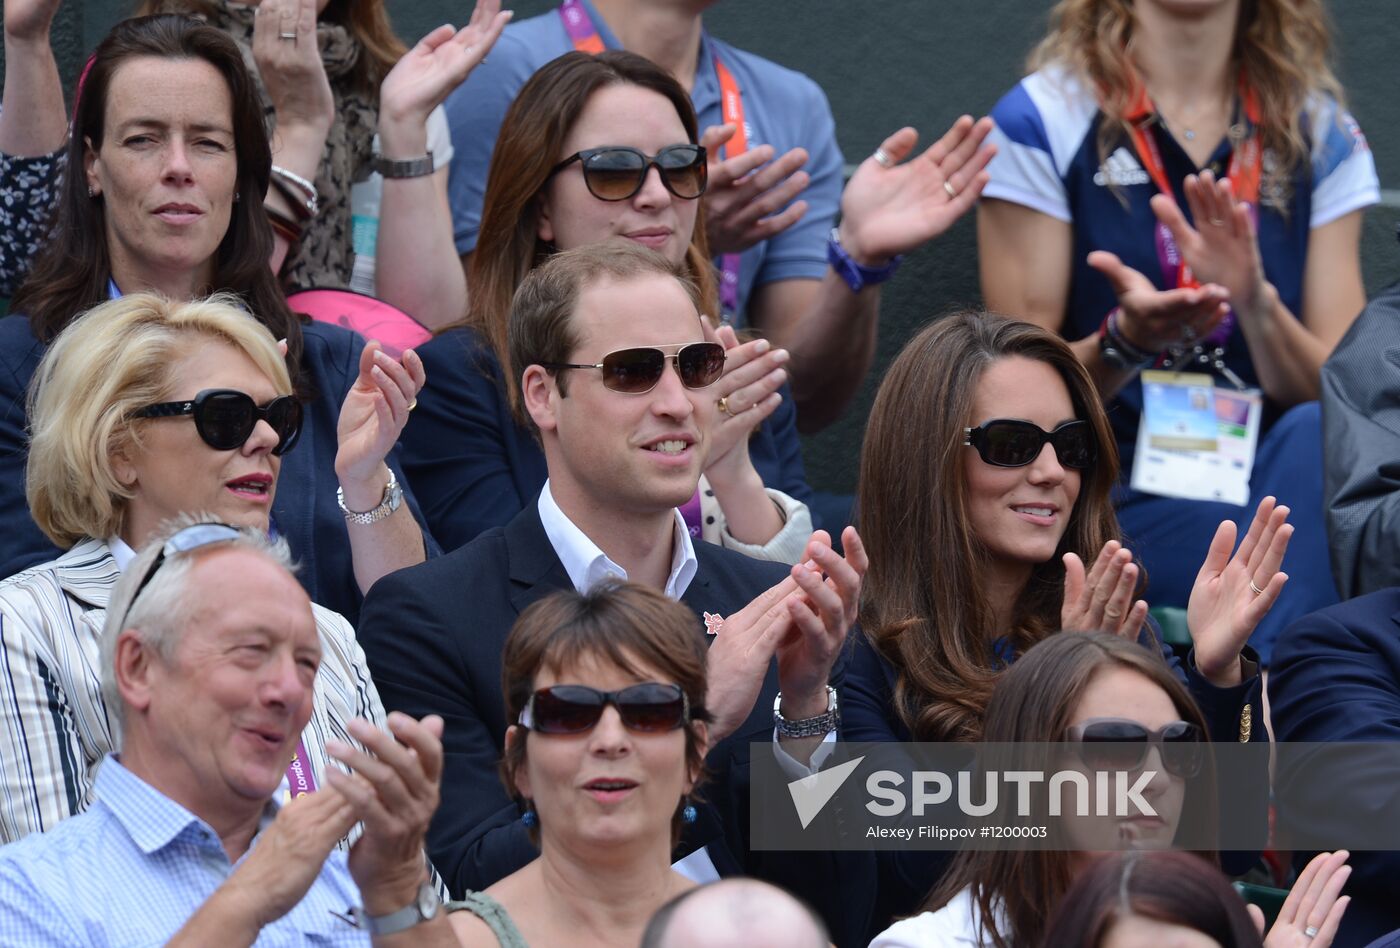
x=225, y=418
x=617, y=172
x=1007, y=443
x=636, y=371
x=573, y=709
x=1118, y=744
x=190, y=538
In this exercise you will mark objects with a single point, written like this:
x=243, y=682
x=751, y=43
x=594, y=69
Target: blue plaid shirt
x=134, y=867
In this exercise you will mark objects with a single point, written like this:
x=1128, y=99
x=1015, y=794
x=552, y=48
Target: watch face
x=428, y=902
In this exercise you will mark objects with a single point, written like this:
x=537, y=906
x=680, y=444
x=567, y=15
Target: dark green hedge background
x=921, y=63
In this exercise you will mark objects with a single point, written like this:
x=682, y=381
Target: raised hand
x=746, y=192
x=1154, y=319
x=394, y=789
x=1232, y=593
x=374, y=413
x=822, y=617
x=753, y=373
x=889, y=210
x=1103, y=600
x=1222, y=247
x=440, y=61
x=29, y=20
x=737, y=660
x=1313, y=905
x=288, y=58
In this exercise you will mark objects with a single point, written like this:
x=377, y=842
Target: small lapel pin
x=713, y=623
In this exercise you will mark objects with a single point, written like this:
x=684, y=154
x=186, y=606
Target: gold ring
x=1216, y=222
x=723, y=404
x=413, y=404
x=1255, y=589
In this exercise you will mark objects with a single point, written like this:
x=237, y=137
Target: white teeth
x=1035, y=511
x=669, y=447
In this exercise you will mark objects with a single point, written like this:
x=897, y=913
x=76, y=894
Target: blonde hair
x=109, y=362
x=1282, y=47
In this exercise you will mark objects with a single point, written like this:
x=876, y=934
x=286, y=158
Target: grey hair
x=167, y=604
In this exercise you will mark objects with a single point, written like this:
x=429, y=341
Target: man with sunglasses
x=775, y=182
x=615, y=370
x=210, y=658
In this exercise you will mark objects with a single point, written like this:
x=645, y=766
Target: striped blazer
x=54, y=726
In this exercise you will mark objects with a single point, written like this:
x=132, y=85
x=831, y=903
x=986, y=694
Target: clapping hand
x=374, y=413
x=1222, y=247
x=439, y=63
x=746, y=192
x=1154, y=319
x=29, y=20
x=1103, y=600
x=748, y=391
x=1233, y=593
x=1313, y=910
x=894, y=206
x=288, y=57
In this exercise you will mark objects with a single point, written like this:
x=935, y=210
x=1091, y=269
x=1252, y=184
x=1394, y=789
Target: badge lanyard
x=1244, y=173
x=586, y=39
x=300, y=780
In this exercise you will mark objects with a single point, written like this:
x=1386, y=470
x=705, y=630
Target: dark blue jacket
x=434, y=635
x=474, y=468
x=304, y=510
x=867, y=714
x=1336, y=677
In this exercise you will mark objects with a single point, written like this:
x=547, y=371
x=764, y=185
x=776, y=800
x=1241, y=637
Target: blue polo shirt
x=1048, y=160
x=782, y=108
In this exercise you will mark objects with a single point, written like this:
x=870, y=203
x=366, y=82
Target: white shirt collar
x=586, y=564
x=122, y=553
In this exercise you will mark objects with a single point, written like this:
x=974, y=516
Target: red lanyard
x=579, y=25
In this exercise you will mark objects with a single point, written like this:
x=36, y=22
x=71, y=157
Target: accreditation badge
x=1196, y=440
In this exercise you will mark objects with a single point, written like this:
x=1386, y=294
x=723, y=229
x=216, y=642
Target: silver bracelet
x=310, y=197
x=393, y=497
x=403, y=167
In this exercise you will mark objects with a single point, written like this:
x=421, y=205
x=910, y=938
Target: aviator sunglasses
x=636, y=371
x=1007, y=443
x=617, y=172
x=225, y=418
x=573, y=709
x=1118, y=744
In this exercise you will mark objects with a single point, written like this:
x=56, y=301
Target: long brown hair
x=73, y=270
x=1034, y=703
x=1282, y=47
x=926, y=606
x=527, y=149
x=366, y=20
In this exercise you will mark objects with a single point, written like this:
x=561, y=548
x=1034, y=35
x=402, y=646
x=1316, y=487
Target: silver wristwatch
x=424, y=908
x=808, y=727
x=403, y=167
x=393, y=496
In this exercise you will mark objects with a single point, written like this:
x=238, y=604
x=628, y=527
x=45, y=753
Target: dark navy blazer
x=304, y=510
x=905, y=877
x=1336, y=677
x=474, y=467
x=434, y=634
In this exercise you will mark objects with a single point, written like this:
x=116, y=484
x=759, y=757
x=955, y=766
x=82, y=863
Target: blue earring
x=529, y=819
x=688, y=814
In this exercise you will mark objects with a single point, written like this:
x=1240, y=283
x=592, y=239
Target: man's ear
x=514, y=734
x=540, y=394
x=135, y=661
x=90, y=166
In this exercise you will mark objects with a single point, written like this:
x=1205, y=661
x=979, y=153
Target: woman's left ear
x=544, y=229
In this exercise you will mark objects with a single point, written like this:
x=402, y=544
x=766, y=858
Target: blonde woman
x=1152, y=132
x=144, y=411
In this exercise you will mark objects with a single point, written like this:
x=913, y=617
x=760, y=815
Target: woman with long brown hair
x=979, y=532
x=1179, y=184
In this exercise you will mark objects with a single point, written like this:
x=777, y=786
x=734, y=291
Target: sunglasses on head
x=225, y=418
x=636, y=371
x=1007, y=443
x=190, y=538
x=1118, y=744
x=572, y=709
x=617, y=172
